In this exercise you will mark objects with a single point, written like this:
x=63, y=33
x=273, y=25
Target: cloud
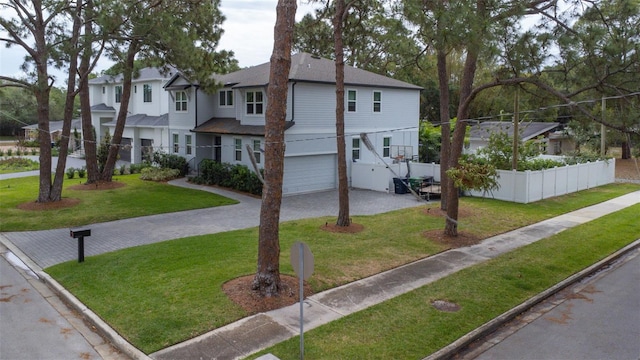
x=248, y=32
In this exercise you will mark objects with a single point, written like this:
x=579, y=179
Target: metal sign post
x=302, y=262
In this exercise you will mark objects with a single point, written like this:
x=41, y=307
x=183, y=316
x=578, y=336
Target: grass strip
x=136, y=198
x=409, y=327
x=160, y=294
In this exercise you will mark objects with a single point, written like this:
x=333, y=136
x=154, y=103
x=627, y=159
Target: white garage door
x=309, y=173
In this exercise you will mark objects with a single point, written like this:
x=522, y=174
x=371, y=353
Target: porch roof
x=233, y=126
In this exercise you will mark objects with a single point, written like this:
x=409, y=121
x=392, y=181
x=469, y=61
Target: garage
x=309, y=173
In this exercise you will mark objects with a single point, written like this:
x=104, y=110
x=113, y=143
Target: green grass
x=160, y=294
x=136, y=198
x=408, y=327
x=17, y=164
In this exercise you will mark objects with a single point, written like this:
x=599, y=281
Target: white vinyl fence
x=516, y=186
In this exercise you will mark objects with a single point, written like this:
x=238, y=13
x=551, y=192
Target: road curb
x=92, y=318
x=449, y=351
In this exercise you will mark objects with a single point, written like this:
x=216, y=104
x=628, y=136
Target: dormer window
x=118, y=93
x=226, y=98
x=255, y=103
x=181, y=101
x=147, y=92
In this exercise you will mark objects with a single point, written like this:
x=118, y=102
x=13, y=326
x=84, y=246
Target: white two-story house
x=220, y=126
x=146, y=128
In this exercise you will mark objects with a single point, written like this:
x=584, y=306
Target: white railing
x=516, y=186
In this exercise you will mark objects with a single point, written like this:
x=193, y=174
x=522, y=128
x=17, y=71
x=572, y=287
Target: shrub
x=123, y=170
x=82, y=172
x=1, y=152
x=159, y=174
x=171, y=161
x=71, y=173
x=18, y=152
x=237, y=176
x=9, y=152
x=34, y=151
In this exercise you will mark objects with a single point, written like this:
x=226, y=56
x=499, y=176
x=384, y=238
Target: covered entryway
x=309, y=173
x=125, y=150
x=146, y=149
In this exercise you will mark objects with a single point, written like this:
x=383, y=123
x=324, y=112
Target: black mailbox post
x=80, y=234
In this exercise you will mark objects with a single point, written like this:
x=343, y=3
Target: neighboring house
x=55, y=129
x=147, y=121
x=551, y=139
x=220, y=126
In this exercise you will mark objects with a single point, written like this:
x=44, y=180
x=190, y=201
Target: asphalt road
x=597, y=318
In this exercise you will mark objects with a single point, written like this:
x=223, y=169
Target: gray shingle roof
x=233, y=126
x=309, y=68
x=143, y=120
x=527, y=130
x=57, y=125
x=102, y=107
x=145, y=74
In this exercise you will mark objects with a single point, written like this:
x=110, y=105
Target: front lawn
x=409, y=327
x=160, y=294
x=136, y=198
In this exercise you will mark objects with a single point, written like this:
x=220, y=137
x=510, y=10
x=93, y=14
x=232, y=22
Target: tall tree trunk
x=41, y=92
x=343, y=185
x=116, y=140
x=267, y=278
x=58, y=179
x=445, y=127
x=457, y=143
x=89, y=141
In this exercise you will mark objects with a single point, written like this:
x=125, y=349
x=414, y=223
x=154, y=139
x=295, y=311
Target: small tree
x=474, y=175
x=103, y=150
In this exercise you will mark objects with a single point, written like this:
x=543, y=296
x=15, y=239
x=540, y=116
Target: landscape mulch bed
x=240, y=292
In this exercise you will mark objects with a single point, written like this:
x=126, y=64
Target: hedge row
x=235, y=176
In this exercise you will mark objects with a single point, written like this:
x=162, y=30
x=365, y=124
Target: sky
x=248, y=32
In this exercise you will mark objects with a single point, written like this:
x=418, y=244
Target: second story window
x=181, y=101
x=226, y=98
x=355, y=149
x=118, y=93
x=238, y=149
x=377, y=101
x=147, y=92
x=255, y=103
x=351, y=100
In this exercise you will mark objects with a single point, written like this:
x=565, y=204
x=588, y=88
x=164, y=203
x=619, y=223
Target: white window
x=351, y=100
x=238, y=148
x=255, y=103
x=257, y=154
x=146, y=89
x=187, y=142
x=176, y=143
x=226, y=98
x=377, y=101
x=181, y=101
x=118, y=93
x=386, y=147
x=355, y=149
